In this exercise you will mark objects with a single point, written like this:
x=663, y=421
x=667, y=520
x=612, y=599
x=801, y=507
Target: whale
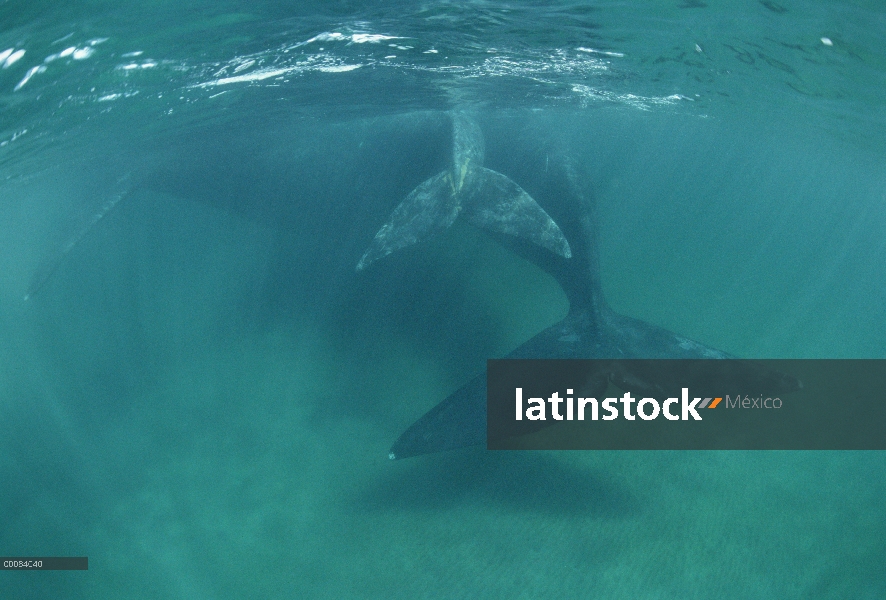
x=487, y=199
x=590, y=330
x=545, y=214
x=347, y=166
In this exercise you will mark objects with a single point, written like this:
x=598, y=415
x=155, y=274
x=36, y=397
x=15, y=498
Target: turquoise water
x=202, y=395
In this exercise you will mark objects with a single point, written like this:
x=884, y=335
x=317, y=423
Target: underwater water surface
x=200, y=391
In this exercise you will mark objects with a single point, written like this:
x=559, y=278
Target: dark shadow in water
x=518, y=481
x=776, y=8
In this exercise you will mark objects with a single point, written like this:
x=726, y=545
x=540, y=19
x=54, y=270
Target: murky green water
x=202, y=395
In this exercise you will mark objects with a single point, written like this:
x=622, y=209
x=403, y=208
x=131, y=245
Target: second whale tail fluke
x=591, y=330
x=487, y=198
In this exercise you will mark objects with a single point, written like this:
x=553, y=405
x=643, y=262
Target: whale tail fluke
x=427, y=210
x=502, y=206
x=490, y=201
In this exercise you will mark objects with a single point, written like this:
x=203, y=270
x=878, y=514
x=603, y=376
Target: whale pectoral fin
x=428, y=209
x=499, y=204
x=49, y=265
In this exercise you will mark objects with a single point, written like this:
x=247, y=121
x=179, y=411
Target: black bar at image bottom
x=44, y=563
